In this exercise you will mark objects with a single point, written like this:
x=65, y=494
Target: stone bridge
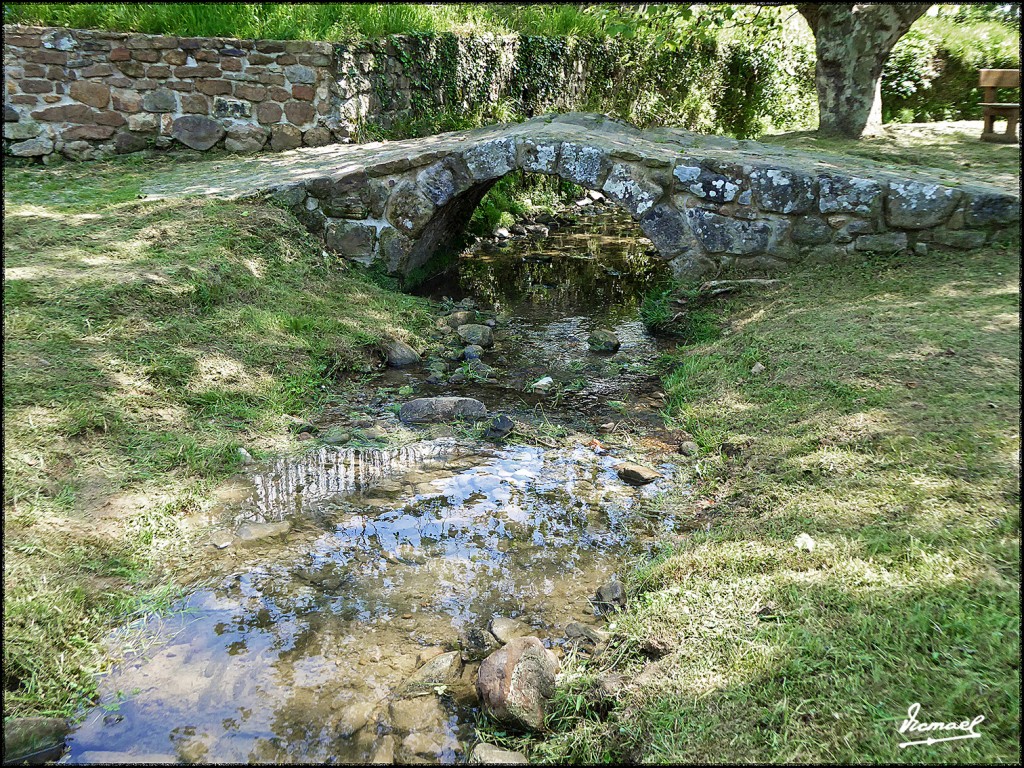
x=708, y=204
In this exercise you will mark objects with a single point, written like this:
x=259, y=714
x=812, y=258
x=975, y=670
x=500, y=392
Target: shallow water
x=393, y=552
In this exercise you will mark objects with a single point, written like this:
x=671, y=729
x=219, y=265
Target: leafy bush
x=932, y=73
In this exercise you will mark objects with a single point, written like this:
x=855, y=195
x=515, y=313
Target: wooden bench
x=990, y=79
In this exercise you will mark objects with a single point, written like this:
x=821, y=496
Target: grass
x=884, y=430
x=952, y=146
x=144, y=343
x=521, y=194
x=307, y=21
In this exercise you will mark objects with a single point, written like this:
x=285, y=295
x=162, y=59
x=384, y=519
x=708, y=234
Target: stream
x=403, y=543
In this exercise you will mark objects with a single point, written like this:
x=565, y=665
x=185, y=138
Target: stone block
x=630, y=186
x=126, y=101
x=992, y=208
x=491, y=159
x=144, y=122
x=811, y=230
x=705, y=183
x=915, y=205
x=442, y=181
x=316, y=137
x=885, y=242
x=88, y=132
x=91, y=93
x=299, y=112
x=584, y=165
x=160, y=100
x=250, y=92
x=350, y=239
x=126, y=143
x=668, y=230
x=37, y=147
x=297, y=73
x=847, y=194
x=195, y=104
x=36, y=86
x=269, y=112
x=246, y=138
x=26, y=129
x=284, y=137
x=962, y=239
x=214, y=87
x=722, y=234
x=783, y=191
x=223, y=107
x=538, y=157
x=68, y=113
x=408, y=209
x=197, y=131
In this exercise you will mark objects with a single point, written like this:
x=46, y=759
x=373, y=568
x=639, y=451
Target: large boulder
x=516, y=682
x=400, y=354
x=430, y=410
x=197, y=131
x=480, y=335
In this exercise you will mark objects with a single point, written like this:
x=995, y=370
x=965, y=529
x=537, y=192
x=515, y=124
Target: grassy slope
x=144, y=342
x=308, y=21
x=885, y=427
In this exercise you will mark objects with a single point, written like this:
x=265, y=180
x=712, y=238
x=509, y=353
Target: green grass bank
x=855, y=542
x=144, y=344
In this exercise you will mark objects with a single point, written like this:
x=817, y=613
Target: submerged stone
x=428, y=410
x=603, y=340
x=253, y=533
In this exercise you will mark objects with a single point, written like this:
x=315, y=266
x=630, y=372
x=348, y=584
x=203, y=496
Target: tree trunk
x=852, y=43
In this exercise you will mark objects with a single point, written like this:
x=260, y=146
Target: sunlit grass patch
x=862, y=550
x=144, y=343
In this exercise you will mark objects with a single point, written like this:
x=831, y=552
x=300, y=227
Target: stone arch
x=427, y=208
x=707, y=204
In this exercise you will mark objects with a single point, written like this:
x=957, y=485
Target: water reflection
x=408, y=547
x=589, y=268
x=260, y=665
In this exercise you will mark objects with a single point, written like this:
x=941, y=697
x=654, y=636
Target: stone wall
x=88, y=93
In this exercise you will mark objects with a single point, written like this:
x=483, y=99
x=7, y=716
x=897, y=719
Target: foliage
x=517, y=195
x=932, y=73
